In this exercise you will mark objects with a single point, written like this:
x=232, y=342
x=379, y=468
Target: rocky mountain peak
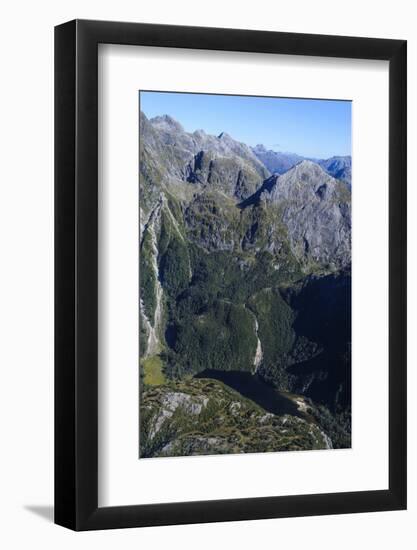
x=340, y=167
x=167, y=123
x=201, y=134
x=307, y=180
x=306, y=171
x=220, y=162
x=316, y=209
x=259, y=148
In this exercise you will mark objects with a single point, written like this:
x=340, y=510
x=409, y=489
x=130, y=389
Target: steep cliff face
x=307, y=208
x=232, y=175
x=164, y=270
x=316, y=210
x=168, y=153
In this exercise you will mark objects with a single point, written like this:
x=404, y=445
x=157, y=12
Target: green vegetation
x=275, y=319
x=194, y=417
x=211, y=298
x=221, y=337
x=147, y=277
x=343, y=193
x=142, y=338
x=338, y=426
x=207, y=314
x=213, y=221
x=276, y=332
x=153, y=371
x=174, y=267
x=235, y=277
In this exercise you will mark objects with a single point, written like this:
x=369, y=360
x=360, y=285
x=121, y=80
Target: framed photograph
x=230, y=247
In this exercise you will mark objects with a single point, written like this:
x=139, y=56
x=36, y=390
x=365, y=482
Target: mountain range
x=339, y=167
x=245, y=278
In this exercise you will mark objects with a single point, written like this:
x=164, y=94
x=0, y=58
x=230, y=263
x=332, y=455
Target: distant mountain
x=338, y=167
x=278, y=163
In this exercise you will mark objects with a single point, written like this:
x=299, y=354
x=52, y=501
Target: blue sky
x=310, y=127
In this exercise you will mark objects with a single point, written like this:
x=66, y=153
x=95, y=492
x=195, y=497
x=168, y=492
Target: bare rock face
x=316, y=210
x=212, y=223
x=311, y=208
x=233, y=175
x=170, y=153
x=167, y=124
x=305, y=205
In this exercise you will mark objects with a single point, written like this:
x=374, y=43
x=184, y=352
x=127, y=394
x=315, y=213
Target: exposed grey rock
x=170, y=153
x=276, y=162
x=314, y=207
x=166, y=123
x=316, y=210
x=201, y=417
x=338, y=167
x=170, y=402
x=211, y=224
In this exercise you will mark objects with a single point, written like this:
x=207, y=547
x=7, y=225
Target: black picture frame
x=76, y=272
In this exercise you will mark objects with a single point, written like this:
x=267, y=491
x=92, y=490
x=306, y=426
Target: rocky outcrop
x=316, y=211
x=201, y=417
x=312, y=207
x=232, y=175
x=212, y=222
x=169, y=153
